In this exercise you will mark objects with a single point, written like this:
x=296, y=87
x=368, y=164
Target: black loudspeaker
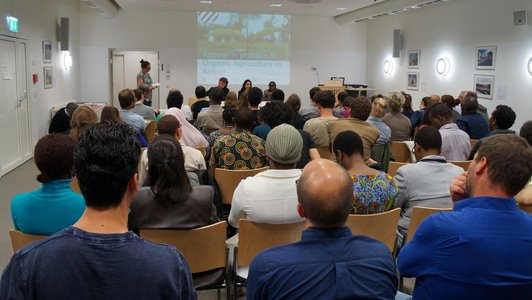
x=64, y=33
x=396, y=42
x=520, y=18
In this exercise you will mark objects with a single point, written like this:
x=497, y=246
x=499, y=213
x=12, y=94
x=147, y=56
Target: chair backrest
x=325, y=153
x=393, y=166
x=255, y=237
x=473, y=142
x=192, y=101
x=202, y=150
x=400, y=152
x=74, y=185
x=419, y=213
x=382, y=154
x=20, y=239
x=151, y=129
x=526, y=208
x=381, y=226
x=464, y=164
x=203, y=248
x=228, y=180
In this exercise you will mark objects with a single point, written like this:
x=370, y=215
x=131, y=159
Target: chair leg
x=234, y=275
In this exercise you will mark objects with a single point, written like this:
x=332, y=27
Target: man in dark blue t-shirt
x=97, y=257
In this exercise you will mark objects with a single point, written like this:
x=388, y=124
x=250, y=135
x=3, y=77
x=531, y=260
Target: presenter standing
x=144, y=77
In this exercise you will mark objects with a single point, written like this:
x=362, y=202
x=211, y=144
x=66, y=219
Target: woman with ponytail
x=53, y=206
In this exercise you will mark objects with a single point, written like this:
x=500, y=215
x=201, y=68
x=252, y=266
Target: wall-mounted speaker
x=397, y=41
x=520, y=18
x=64, y=33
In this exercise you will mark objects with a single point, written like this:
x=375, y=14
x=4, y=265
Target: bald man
x=329, y=262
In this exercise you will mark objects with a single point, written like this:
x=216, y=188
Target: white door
x=14, y=109
x=118, y=77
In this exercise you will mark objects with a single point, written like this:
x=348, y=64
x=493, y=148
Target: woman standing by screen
x=144, y=77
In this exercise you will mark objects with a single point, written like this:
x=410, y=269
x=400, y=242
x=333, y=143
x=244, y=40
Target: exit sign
x=12, y=24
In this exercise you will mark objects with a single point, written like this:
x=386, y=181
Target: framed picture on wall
x=46, y=52
x=412, y=81
x=484, y=85
x=485, y=57
x=48, y=75
x=413, y=59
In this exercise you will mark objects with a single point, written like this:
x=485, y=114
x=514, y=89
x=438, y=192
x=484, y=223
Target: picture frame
x=48, y=77
x=484, y=85
x=485, y=57
x=413, y=59
x=412, y=81
x=47, y=52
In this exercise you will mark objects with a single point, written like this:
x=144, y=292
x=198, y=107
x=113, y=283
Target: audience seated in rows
x=360, y=110
x=407, y=105
x=239, y=150
x=228, y=127
x=277, y=95
x=502, y=118
x=451, y=103
x=127, y=103
x=378, y=108
x=97, y=257
x=400, y=125
x=140, y=108
x=455, y=144
x=270, y=196
x=201, y=95
x=211, y=119
x=311, y=111
x=329, y=262
x=61, y=120
x=82, y=118
x=339, y=104
x=230, y=100
x=112, y=115
x=53, y=206
x=481, y=110
x=524, y=197
x=373, y=191
x=417, y=116
x=471, y=121
x=426, y=182
x=317, y=127
x=254, y=99
x=481, y=249
x=347, y=106
x=175, y=99
x=190, y=136
x=294, y=103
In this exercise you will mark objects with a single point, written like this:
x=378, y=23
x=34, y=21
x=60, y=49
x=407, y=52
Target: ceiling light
x=67, y=61
x=388, y=67
x=276, y=5
x=442, y=66
x=205, y=2
x=530, y=66
x=341, y=8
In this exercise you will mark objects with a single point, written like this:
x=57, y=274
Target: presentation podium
x=353, y=90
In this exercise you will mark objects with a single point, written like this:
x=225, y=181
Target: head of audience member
x=254, y=97
x=450, y=101
x=434, y=99
x=361, y=108
x=223, y=82
x=408, y=101
x=324, y=100
x=272, y=86
x=283, y=147
x=277, y=95
x=216, y=96
x=294, y=102
x=275, y=113
x=228, y=116
x=425, y=102
x=427, y=141
x=501, y=167
x=145, y=90
x=70, y=108
x=110, y=114
x=439, y=114
x=200, y=92
x=139, y=95
x=325, y=194
x=106, y=159
x=469, y=104
x=246, y=85
x=243, y=99
x=174, y=99
x=526, y=131
x=166, y=167
x=378, y=107
x=347, y=102
x=311, y=94
x=340, y=98
x=126, y=98
x=348, y=149
x=464, y=94
x=503, y=117
x=231, y=100
x=54, y=157
x=396, y=101
x=82, y=118
x=169, y=125
x=244, y=118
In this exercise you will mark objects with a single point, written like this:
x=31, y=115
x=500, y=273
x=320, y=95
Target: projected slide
x=243, y=46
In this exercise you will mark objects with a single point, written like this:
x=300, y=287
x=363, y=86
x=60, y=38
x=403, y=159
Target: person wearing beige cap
x=271, y=196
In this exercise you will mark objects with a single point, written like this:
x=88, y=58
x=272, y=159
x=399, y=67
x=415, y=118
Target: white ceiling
x=325, y=8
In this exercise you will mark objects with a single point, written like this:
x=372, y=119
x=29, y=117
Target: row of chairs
x=394, y=165
x=402, y=153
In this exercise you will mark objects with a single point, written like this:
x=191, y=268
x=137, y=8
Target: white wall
x=316, y=42
x=37, y=22
x=454, y=29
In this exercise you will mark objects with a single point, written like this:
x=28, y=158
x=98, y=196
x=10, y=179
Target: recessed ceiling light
x=341, y=8
x=276, y=5
x=205, y=2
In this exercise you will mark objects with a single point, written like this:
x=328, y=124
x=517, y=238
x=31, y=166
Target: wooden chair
x=419, y=213
x=381, y=226
x=203, y=248
x=74, y=185
x=526, y=208
x=325, y=153
x=20, y=239
x=151, y=129
x=228, y=180
x=473, y=142
x=202, y=150
x=464, y=164
x=393, y=166
x=400, y=152
x=192, y=101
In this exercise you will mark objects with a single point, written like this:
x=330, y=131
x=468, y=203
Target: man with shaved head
x=329, y=262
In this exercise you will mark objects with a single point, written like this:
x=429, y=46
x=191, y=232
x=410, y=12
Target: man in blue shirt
x=97, y=257
x=329, y=262
x=482, y=249
x=127, y=104
x=471, y=121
